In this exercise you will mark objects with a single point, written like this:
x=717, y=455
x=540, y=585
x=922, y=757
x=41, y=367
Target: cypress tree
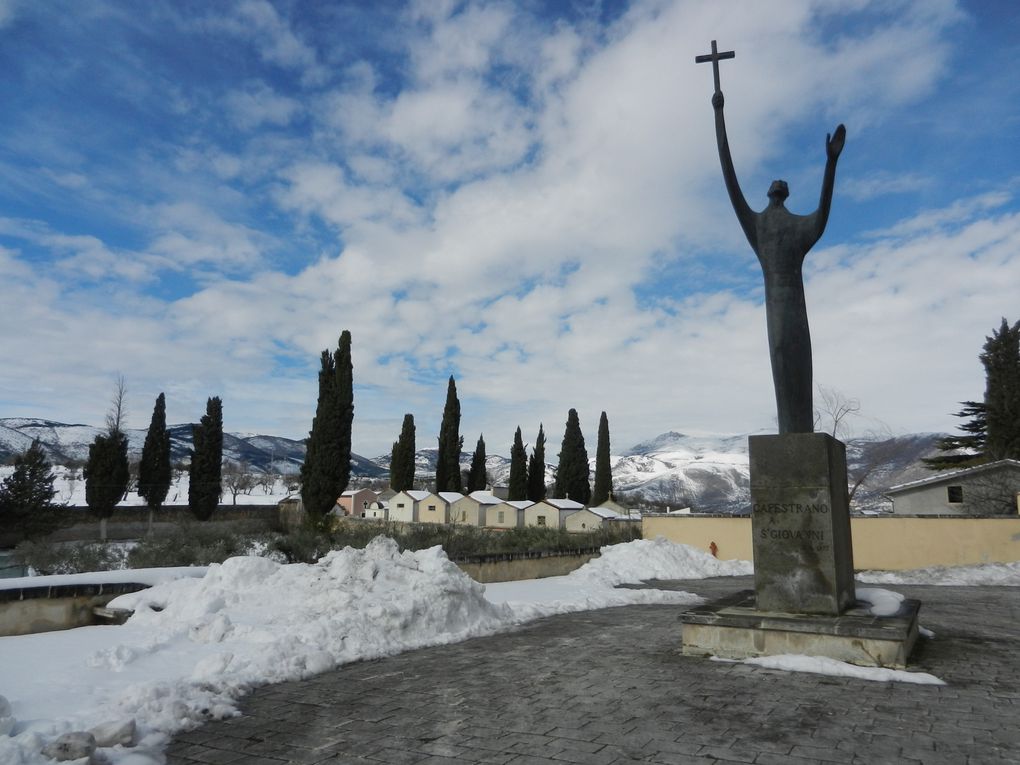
x=154, y=473
x=402, y=457
x=603, y=471
x=536, y=469
x=345, y=404
x=518, y=469
x=448, y=476
x=476, y=475
x=27, y=494
x=206, y=471
x=573, y=470
x=106, y=475
x=992, y=427
x=320, y=472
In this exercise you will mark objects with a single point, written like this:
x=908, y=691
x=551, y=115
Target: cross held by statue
x=715, y=57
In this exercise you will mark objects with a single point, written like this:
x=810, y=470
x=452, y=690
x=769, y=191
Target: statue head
x=778, y=191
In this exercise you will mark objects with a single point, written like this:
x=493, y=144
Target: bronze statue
x=781, y=239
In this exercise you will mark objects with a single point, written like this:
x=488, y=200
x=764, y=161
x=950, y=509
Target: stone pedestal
x=804, y=600
x=800, y=521
x=733, y=628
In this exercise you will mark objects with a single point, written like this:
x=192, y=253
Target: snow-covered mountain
x=706, y=472
x=711, y=473
x=69, y=444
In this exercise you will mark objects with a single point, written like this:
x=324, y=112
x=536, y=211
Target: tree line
x=527, y=474
x=325, y=472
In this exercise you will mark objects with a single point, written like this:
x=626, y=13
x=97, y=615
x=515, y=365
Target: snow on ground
x=201, y=638
x=821, y=665
x=69, y=484
x=195, y=645
x=1007, y=574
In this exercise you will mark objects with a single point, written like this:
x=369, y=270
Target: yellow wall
x=889, y=542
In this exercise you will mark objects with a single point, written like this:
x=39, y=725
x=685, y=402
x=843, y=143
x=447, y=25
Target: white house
x=589, y=519
x=356, y=501
x=550, y=512
x=989, y=489
x=403, y=506
x=476, y=509
x=377, y=511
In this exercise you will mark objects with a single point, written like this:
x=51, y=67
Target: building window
x=954, y=494
x=364, y=505
x=463, y=515
x=400, y=504
x=500, y=516
x=432, y=508
x=540, y=521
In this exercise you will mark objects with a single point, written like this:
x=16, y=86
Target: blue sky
x=201, y=196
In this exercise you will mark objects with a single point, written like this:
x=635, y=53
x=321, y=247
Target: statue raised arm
x=781, y=239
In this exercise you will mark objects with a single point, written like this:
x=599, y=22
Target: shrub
x=70, y=558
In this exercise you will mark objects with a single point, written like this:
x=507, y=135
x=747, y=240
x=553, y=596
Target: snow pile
x=824, y=666
x=594, y=584
x=1002, y=574
x=247, y=622
x=657, y=558
x=883, y=602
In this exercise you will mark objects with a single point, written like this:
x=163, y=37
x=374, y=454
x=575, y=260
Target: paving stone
x=558, y=690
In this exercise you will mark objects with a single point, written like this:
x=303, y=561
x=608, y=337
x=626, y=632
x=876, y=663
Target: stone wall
x=513, y=567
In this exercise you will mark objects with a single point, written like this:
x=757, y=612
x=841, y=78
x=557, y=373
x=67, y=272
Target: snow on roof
x=485, y=498
x=520, y=504
x=565, y=504
x=417, y=496
x=449, y=496
x=605, y=512
x=954, y=475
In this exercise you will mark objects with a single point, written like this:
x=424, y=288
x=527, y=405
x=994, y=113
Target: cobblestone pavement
x=609, y=686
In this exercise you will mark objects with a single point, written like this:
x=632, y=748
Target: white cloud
x=258, y=104
x=499, y=228
x=8, y=11
x=880, y=183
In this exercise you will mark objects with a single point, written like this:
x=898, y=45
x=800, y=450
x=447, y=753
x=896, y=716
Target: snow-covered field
x=201, y=639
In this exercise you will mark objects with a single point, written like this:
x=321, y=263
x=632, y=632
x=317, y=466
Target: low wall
x=516, y=566
x=27, y=610
x=879, y=542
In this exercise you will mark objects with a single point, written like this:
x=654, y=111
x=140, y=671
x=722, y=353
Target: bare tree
x=834, y=410
x=238, y=479
x=118, y=406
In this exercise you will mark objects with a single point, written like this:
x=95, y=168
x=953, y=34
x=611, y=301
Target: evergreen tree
x=1001, y=359
x=536, y=469
x=27, y=494
x=402, y=457
x=518, y=469
x=106, y=474
x=320, y=472
x=448, y=477
x=345, y=404
x=154, y=473
x=603, y=471
x=573, y=470
x=477, y=479
x=991, y=430
x=206, y=472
